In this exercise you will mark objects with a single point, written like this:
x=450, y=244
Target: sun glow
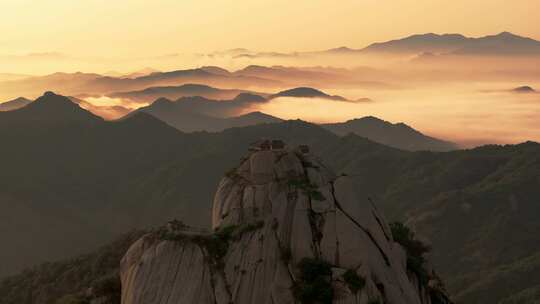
x=106, y=101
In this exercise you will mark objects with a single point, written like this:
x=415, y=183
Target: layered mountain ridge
x=101, y=179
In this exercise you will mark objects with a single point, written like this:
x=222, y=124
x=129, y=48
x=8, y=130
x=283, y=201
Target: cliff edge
x=286, y=230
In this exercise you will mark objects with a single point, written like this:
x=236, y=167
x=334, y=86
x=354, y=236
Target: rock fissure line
x=313, y=217
x=281, y=249
x=337, y=254
x=214, y=272
x=366, y=231
x=176, y=272
x=154, y=250
x=375, y=214
x=380, y=225
x=212, y=276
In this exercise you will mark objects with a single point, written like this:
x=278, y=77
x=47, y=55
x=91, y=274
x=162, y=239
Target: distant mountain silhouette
x=85, y=84
x=14, y=104
x=205, y=75
x=185, y=90
x=504, y=43
x=303, y=76
x=191, y=114
x=249, y=98
x=199, y=90
x=398, y=135
x=282, y=73
x=106, y=112
x=250, y=119
x=197, y=113
x=420, y=43
x=343, y=50
x=524, y=89
x=215, y=70
x=66, y=83
x=255, y=55
x=284, y=76
x=308, y=93
x=49, y=109
x=142, y=72
x=73, y=84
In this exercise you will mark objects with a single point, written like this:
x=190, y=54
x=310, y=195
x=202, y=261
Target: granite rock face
x=286, y=230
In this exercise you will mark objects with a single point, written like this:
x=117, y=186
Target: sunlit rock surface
x=276, y=210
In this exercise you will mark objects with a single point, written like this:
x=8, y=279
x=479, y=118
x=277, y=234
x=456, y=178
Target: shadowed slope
x=14, y=104
x=49, y=108
x=397, y=135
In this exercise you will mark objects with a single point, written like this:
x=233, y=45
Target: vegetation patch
x=314, y=284
x=216, y=244
x=73, y=299
x=286, y=254
x=354, y=281
x=233, y=174
x=308, y=164
x=309, y=189
x=415, y=250
x=438, y=297
x=68, y=281
x=250, y=227
x=108, y=287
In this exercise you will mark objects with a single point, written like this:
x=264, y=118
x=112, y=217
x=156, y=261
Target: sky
x=139, y=28
x=47, y=36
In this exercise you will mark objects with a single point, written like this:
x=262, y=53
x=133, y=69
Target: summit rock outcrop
x=286, y=230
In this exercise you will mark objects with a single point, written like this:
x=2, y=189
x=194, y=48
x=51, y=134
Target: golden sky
x=132, y=28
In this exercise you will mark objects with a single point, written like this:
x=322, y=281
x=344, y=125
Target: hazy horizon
x=117, y=37
x=443, y=86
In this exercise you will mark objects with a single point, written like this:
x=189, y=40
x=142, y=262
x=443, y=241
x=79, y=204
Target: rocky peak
x=286, y=230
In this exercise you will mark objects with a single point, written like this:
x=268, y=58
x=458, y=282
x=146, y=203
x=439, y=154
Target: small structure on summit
x=260, y=145
x=175, y=225
x=265, y=144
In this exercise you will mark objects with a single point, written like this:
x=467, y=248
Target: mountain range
x=197, y=113
x=77, y=181
x=174, y=84
x=190, y=90
x=502, y=44
x=74, y=84
x=191, y=114
x=430, y=45
x=427, y=48
x=397, y=135
x=186, y=90
x=14, y=104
